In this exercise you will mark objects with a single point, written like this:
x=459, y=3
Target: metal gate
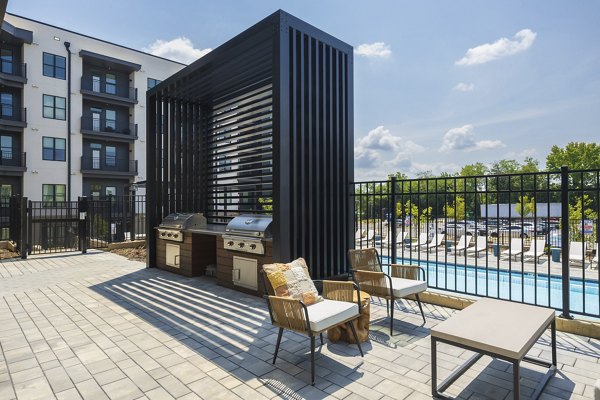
x=53, y=227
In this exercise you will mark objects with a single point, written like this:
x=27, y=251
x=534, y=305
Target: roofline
x=94, y=38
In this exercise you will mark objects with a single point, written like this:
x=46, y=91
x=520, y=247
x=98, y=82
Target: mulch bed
x=135, y=254
x=5, y=254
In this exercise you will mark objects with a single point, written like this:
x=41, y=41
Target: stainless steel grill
x=173, y=226
x=246, y=232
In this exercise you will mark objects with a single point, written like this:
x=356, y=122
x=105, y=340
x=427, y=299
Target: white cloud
x=463, y=139
x=179, y=49
x=381, y=138
x=502, y=47
x=380, y=153
x=373, y=50
x=521, y=155
x=464, y=87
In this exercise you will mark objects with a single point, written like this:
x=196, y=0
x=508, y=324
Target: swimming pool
x=540, y=289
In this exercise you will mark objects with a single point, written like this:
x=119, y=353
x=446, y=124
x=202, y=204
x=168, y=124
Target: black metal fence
x=530, y=238
x=50, y=227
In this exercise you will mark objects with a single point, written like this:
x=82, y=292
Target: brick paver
x=98, y=326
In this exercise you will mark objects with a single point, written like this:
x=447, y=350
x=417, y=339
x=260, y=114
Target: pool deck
x=98, y=326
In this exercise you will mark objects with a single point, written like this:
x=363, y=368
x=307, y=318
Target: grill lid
x=184, y=221
x=250, y=225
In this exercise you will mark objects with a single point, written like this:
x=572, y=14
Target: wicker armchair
x=336, y=308
x=403, y=279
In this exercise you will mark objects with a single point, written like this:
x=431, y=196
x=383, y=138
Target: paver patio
x=98, y=326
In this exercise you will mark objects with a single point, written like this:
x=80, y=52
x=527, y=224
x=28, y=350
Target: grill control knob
x=175, y=236
x=241, y=245
x=253, y=246
x=169, y=234
x=230, y=243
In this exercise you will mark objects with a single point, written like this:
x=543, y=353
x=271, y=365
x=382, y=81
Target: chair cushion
x=328, y=313
x=292, y=280
x=405, y=287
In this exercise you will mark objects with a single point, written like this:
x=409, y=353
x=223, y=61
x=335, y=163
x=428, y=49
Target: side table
x=342, y=332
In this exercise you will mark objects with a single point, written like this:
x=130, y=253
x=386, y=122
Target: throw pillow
x=292, y=280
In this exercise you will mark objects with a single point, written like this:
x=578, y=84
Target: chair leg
x=420, y=307
x=277, y=345
x=321, y=336
x=392, y=302
x=387, y=306
x=312, y=360
x=355, y=337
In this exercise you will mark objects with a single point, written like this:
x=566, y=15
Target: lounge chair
x=463, y=243
x=402, y=281
x=577, y=252
x=536, y=250
x=359, y=234
x=400, y=236
x=480, y=245
x=294, y=311
x=436, y=242
x=423, y=239
x=369, y=237
x=515, y=249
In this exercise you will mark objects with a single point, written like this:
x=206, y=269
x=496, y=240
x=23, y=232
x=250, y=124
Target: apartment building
x=73, y=112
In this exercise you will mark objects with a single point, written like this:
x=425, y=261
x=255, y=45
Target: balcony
x=100, y=128
x=114, y=94
x=13, y=162
x=108, y=166
x=13, y=74
x=12, y=117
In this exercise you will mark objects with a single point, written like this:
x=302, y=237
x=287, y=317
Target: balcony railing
x=13, y=158
x=102, y=125
x=12, y=113
x=109, y=164
x=13, y=68
x=102, y=88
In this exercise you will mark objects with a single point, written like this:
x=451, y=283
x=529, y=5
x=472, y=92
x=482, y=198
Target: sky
x=437, y=84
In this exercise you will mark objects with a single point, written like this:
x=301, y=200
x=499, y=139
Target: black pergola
x=263, y=123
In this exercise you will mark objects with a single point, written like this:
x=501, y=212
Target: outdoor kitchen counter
x=210, y=229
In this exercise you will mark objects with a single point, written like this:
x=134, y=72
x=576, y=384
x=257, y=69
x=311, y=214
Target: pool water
x=540, y=289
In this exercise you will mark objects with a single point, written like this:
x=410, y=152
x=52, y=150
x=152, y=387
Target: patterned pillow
x=292, y=280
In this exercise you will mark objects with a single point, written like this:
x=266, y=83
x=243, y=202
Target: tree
x=474, y=169
x=526, y=206
x=575, y=155
x=456, y=210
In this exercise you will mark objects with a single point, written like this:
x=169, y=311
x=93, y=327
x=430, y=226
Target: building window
x=7, y=105
x=110, y=191
x=52, y=193
x=53, y=149
x=152, y=82
x=111, y=120
x=96, y=83
x=54, y=66
x=111, y=84
x=55, y=107
x=5, y=191
x=111, y=156
x=6, y=55
x=6, y=146
x=95, y=190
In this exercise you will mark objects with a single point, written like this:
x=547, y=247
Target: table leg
x=516, y=380
x=434, y=391
x=553, y=333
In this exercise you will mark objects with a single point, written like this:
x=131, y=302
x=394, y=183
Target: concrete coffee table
x=500, y=329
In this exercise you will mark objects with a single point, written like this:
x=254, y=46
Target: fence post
x=564, y=239
x=24, y=221
x=110, y=218
x=82, y=208
x=132, y=228
x=393, y=224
